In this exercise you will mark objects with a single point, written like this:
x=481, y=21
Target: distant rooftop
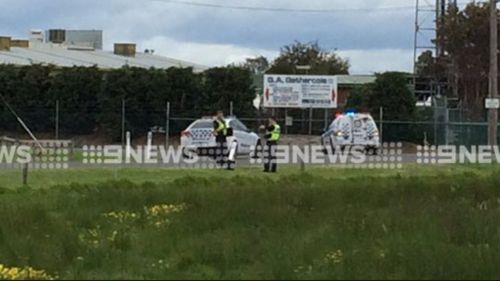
x=63, y=57
x=67, y=57
x=70, y=48
x=355, y=79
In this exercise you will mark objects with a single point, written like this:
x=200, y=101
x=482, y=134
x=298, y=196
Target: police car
x=352, y=129
x=198, y=138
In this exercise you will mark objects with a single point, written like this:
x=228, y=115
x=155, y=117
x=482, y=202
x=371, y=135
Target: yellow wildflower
x=26, y=273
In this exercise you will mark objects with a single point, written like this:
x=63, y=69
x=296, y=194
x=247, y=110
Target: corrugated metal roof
x=64, y=57
x=355, y=79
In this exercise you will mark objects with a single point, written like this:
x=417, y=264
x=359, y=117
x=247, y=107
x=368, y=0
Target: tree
x=464, y=34
x=76, y=89
x=426, y=65
x=391, y=91
x=358, y=98
x=25, y=88
x=91, y=99
x=145, y=92
x=8, y=74
x=322, y=62
x=224, y=85
x=185, y=92
x=257, y=65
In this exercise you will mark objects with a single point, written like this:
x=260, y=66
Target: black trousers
x=270, y=161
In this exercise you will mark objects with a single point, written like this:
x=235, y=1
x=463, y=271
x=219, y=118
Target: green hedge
x=91, y=99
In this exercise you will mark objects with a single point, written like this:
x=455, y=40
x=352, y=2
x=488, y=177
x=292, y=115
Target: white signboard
x=300, y=91
x=492, y=103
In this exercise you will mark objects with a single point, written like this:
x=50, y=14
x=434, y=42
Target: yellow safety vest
x=276, y=133
x=222, y=127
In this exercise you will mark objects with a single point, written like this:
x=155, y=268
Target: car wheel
x=371, y=150
x=187, y=153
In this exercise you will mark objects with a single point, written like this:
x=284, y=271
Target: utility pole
x=493, y=81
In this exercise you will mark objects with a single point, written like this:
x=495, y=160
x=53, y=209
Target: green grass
x=327, y=223
x=10, y=178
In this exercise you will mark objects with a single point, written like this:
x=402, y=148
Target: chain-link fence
x=55, y=121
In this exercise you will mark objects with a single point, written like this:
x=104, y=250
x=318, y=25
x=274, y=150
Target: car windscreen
x=335, y=123
x=205, y=124
x=237, y=125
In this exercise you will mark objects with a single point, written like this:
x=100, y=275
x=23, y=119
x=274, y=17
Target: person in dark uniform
x=273, y=135
x=220, y=132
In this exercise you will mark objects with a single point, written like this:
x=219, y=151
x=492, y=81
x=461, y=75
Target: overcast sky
x=376, y=35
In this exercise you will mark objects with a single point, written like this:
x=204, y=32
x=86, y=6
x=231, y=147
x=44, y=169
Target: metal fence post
x=447, y=125
x=286, y=117
x=310, y=120
x=128, y=147
x=434, y=100
x=167, y=125
x=57, y=120
x=381, y=129
x=231, y=108
x=25, y=174
x=123, y=121
x=149, y=145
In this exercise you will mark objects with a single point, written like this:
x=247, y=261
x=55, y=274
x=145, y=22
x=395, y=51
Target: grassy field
x=12, y=179
x=326, y=223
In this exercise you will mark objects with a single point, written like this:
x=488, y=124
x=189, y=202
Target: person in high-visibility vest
x=273, y=135
x=220, y=132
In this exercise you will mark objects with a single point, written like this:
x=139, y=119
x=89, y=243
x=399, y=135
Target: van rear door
x=359, y=129
x=343, y=132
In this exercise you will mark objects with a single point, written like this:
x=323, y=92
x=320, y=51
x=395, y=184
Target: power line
x=290, y=10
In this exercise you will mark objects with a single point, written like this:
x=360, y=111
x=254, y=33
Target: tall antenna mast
x=429, y=16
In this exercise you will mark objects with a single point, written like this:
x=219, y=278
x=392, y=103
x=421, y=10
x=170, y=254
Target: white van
x=352, y=129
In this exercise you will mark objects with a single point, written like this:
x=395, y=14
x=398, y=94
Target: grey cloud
x=142, y=21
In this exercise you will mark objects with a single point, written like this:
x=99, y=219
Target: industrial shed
x=28, y=52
